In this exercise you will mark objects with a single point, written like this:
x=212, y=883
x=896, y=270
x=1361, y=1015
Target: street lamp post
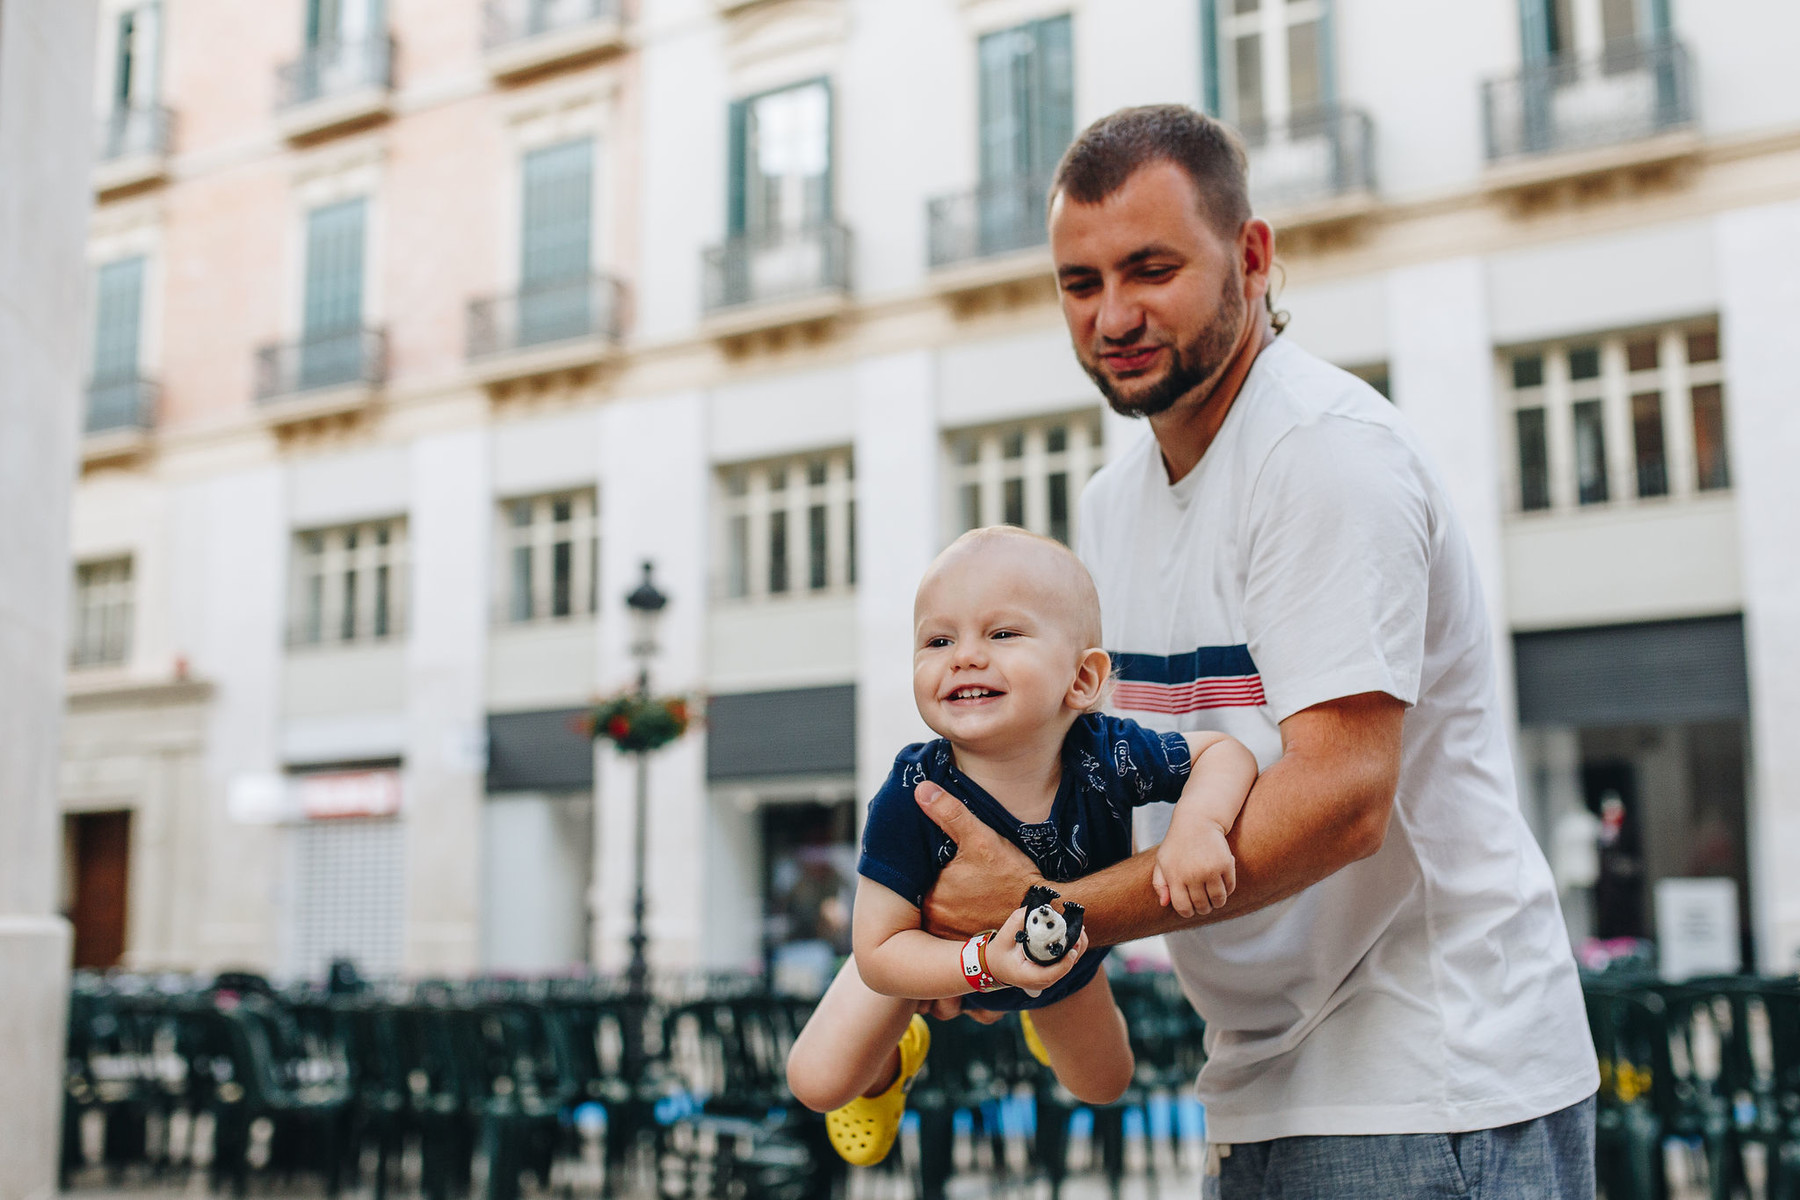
x=646, y=604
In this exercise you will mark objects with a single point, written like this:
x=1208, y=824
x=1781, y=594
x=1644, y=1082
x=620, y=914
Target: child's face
x=996, y=647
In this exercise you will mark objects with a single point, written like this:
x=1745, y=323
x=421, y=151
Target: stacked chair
x=1710, y=1067
x=449, y=1089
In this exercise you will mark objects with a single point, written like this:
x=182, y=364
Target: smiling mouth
x=1130, y=362
x=972, y=694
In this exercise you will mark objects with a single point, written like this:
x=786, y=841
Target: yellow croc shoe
x=863, y=1131
x=1033, y=1042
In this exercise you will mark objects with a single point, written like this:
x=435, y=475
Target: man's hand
x=952, y=1007
x=1195, y=870
x=983, y=883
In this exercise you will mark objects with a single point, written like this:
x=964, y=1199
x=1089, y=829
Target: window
x=555, y=242
x=114, y=395
x=1634, y=416
x=781, y=160
x=1027, y=105
x=1028, y=474
x=1376, y=376
x=1552, y=29
x=350, y=583
x=550, y=556
x=100, y=626
x=135, y=43
x=788, y=527
x=1269, y=58
x=332, y=315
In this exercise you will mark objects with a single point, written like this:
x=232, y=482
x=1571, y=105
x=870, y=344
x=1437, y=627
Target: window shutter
x=122, y=61
x=556, y=240
x=1052, y=91
x=1537, y=31
x=1002, y=121
x=1327, y=59
x=735, y=216
x=1209, y=57
x=334, y=268
x=820, y=206
x=117, y=315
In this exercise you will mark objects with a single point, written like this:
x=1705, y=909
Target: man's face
x=1154, y=296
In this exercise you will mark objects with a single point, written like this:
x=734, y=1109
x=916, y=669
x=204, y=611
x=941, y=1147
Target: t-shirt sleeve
x=1144, y=766
x=898, y=849
x=1337, y=562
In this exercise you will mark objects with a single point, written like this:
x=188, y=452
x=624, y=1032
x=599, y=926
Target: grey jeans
x=1550, y=1158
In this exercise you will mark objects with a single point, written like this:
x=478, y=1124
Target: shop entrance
x=809, y=881
x=98, y=854
x=1636, y=747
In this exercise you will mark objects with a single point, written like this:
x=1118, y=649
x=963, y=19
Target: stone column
x=897, y=535
x=654, y=485
x=1442, y=367
x=1759, y=285
x=46, y=129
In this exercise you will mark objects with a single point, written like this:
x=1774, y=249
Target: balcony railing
x=121, y=403
x=1310, y=158
x=507, y=21
x=588, y=306
x=336, y=68
x=779, y=264
x=1632, y=90
x=129, y=132
x=324, y=360
x=996, y=218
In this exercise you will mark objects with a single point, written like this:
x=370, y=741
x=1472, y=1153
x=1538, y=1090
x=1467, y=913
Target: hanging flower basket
x=637, y=724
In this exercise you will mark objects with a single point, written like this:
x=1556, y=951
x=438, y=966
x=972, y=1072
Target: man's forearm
x=1293, y=831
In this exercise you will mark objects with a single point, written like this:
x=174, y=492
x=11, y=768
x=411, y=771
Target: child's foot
x=863, y=1131
x=1033, y=1042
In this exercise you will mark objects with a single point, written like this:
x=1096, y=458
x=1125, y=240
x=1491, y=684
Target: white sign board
x=1697, y=927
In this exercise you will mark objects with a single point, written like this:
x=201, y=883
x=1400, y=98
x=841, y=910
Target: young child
x=1008, y=671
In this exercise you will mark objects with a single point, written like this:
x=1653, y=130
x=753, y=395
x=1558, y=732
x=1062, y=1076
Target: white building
x=1562, y=235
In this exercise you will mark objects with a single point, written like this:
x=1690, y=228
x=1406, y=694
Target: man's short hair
x=1112, y=148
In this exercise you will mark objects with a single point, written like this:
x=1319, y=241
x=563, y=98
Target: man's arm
x=1323, y=805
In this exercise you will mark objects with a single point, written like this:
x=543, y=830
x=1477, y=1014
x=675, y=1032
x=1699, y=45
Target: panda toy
x=1048, y=935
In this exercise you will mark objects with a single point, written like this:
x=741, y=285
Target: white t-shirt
x=1312, y=554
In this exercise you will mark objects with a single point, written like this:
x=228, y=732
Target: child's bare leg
x=850, y=1046
x=1089, y=1049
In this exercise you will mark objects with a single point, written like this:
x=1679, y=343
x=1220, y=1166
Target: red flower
x=618, y=728
x=678, y=710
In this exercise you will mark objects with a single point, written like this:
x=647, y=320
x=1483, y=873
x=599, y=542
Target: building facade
x=419, y=330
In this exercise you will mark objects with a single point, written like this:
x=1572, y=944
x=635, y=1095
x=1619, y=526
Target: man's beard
x=1195, y=363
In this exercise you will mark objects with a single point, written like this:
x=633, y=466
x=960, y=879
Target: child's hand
x=1007, y=962
x=1195, y=871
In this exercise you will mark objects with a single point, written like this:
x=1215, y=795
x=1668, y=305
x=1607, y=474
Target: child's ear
x=1092, y=670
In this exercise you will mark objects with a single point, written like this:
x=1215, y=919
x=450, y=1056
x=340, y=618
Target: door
x=99, y=857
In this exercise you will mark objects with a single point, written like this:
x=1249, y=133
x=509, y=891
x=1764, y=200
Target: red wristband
x=974, y=964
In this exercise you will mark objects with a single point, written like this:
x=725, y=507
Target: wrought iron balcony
x=335, y=84
x=131, y=132
x=121, y=403
x=777, y=265
x=519, y=36
x=996, y=218
x=587, y=307
x=340, y=359
x=1310, y=159
x=133, y=147
x=1632, y=90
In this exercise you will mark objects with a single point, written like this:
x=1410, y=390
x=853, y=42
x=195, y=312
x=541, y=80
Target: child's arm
x=897, y=958
x=1194, y=870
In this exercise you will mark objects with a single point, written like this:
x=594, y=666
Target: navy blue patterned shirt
x=1110, y=765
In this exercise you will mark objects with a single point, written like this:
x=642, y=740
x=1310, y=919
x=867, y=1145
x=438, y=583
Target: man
x=1392, y=1008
